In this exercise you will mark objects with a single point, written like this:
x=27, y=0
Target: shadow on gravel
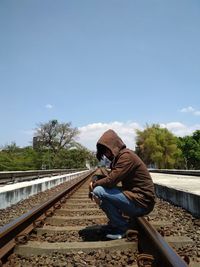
x=93, y=233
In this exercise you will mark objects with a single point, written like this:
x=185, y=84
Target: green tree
x=190, y=146
x=5, y=161
x=157, y=147
x=53, y=147
x=73, y=158
x=10, y=148
x=13, y=158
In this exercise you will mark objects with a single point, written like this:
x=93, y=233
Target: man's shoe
x=105, y=229
x=115, y=236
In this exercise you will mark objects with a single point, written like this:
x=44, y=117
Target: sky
x=107, y=64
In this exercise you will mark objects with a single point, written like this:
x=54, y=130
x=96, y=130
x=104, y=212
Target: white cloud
x=190, y=110
x=90, y=133
x=48, y=106
x=187, y=109
x=180, y=129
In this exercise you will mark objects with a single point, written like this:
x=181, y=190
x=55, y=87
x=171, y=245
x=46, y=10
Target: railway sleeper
x=41, y=248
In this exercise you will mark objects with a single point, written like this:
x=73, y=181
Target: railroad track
x=65, y=231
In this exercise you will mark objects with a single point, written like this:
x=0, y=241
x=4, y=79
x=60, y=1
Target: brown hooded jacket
x=128, y=168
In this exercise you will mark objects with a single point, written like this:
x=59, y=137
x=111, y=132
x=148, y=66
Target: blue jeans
x=113, y=202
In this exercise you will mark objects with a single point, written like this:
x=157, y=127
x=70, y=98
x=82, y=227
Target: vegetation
x=28, y=158
x=54, y=146
x=190, y=147
x=13, y=158
x=159, y=148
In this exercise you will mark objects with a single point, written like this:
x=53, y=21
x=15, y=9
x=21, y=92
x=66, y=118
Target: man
x=135, y=198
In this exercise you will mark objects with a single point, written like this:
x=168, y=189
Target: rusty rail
x=19, y=229
x=150, y=241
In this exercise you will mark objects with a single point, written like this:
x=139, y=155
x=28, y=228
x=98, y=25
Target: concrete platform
x=13, y=193
x=184, y=183
x=180, y=190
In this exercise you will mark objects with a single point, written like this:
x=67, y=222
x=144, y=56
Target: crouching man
x=135, y=198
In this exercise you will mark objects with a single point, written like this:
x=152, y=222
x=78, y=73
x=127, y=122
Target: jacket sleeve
x=121, y=168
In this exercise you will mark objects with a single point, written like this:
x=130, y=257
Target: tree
x=73, y=158
x=13, y=158
x=54, y=146
x=55, y=136
x=157, y=147
x=190, y=146
x=11, y=148
x=5, y=161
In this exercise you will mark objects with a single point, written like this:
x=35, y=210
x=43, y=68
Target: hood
x=111, y=140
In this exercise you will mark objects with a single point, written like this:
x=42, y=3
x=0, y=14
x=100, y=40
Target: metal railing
x=20, y=176
x=176, y=171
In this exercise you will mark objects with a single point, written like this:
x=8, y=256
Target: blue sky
x=99, y=64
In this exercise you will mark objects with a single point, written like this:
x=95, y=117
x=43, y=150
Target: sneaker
x=115, y=236
x=105, y=229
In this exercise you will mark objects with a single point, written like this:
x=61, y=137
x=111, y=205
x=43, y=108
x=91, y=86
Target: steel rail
x=150, y=241
x=28, y=221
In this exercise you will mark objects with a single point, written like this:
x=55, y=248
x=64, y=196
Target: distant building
x=36, y=142
x=87, y=164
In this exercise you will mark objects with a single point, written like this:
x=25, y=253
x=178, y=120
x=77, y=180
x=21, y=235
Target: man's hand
x=91, y=186
x=92, y=196
x=90, y=190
